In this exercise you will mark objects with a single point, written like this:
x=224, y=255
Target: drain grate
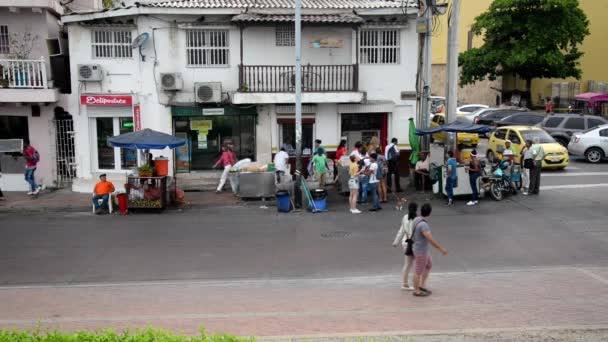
x=338, y=234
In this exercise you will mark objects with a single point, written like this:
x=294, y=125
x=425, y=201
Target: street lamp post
x=298, y=102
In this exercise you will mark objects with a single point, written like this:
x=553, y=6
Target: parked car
x=556, y=155
x=470, y=117
x=521, y=119
x=467, y=139
x=489, y=117
x=592, y=144
x=563, y=126
x=470, y=108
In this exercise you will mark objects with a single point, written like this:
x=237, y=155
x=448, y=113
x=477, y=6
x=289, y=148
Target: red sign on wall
x=106, y=100
x=137, y=117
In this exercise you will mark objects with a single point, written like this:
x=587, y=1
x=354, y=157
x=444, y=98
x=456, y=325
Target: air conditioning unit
x=89, y=72
x=171, y=81
x=208, y=92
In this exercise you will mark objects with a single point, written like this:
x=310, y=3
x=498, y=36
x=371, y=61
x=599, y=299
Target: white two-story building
x=222, y=72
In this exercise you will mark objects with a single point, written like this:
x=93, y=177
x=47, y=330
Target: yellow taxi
x=467, y=139
x=556, y=155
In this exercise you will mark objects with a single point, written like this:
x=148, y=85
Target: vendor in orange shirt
x=102, y=190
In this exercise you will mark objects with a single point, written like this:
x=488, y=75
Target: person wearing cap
x=474, y=172
x=102, y=191
x=508, y=153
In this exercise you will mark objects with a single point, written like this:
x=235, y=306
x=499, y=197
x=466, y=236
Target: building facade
x=223, y=74
x=33, y=88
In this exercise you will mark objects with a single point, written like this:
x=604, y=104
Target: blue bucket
x=283, y=202
x=319, y=197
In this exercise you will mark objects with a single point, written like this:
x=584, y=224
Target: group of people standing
x=371, y=172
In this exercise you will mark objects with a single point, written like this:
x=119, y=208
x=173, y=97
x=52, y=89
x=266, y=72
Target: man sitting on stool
x=102, y=191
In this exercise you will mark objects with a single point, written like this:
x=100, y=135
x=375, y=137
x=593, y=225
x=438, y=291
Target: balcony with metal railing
x=25, y=81
x=276, y=83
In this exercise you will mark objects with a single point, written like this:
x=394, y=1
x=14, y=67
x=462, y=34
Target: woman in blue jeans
x=474, y=172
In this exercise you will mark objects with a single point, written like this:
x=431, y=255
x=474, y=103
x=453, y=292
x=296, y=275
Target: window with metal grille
x=207, y=48
x=4, y=40
x=108, y=43
x=379, y=46
x=285, y=35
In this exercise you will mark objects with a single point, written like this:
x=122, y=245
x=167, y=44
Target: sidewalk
x=64, y=200
x=483, y=303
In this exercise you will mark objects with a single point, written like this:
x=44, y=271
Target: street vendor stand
x=593, y=103
x=440, y=172
x=144, y=189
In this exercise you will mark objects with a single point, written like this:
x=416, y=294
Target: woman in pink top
x=226, y=160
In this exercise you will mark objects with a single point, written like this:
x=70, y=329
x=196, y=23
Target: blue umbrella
x=146, y=139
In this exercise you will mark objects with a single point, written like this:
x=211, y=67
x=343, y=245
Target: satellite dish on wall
x=139, y=42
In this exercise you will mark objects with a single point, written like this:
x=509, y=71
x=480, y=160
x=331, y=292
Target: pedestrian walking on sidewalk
x=404, y=238
x=392, y=157
x=527, y=160
x=474, y=173
x=319, y=162
x=32, y=157
x=353, y=184
x=451, y=177
x=372, y=172
x=421, y=232
x=538, y=153
x=227, y=159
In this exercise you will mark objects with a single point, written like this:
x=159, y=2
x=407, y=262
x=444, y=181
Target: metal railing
x=23, y=74
x=281, y=78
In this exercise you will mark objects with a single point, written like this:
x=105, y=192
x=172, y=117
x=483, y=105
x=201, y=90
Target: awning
x=288, y=18
x=146, y=139
x=458, y=126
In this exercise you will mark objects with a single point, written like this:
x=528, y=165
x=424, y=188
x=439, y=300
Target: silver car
x=592, y=144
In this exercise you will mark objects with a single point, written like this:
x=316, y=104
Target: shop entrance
x=207, y=134
x=363, y=127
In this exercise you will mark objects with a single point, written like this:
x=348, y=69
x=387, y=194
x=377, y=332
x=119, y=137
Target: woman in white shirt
x=405, y=237
x=281, y=160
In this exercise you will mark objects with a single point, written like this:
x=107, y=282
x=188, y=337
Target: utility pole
x=298, y=104
x=423, y=121
x=452, y=72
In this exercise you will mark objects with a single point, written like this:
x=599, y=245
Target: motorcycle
x=497, y=182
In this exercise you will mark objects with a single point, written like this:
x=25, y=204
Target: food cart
x=147, y=187
x=458, y=126
x=255, y=180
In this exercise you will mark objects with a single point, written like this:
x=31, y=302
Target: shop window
x=110, y=158
x=112, y=43
x=379, y=46
x=4, y=40
x=13, y=127
x=207, y=48
x=287, y=137
x=285, y=35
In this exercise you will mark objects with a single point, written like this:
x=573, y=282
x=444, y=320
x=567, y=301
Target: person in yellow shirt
x=102, y=191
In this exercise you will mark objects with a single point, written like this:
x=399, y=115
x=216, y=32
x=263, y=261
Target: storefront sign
x=106, y=100
x=182, y=154
x=213, y=111
x=326, y=42
x=201, y=125
x=137, y=117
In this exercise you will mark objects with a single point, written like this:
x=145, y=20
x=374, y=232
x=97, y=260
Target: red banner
x=137, y=117
x=106, y=100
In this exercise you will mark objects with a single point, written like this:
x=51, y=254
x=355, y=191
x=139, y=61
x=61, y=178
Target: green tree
x=526, y=38
x=108, y=3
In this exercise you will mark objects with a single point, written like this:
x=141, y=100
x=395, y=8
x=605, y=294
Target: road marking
x=574, y=174
x=573, y=186
x=594, y=276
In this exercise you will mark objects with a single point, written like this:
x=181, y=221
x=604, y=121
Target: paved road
x=525, y=262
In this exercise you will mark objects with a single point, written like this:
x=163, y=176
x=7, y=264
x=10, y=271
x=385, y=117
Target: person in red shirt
x=102, y=191
x=227, y=159
x=32, y=157
x=549, y=106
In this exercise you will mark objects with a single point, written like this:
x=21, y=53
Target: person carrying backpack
x=392, y=157
x=32, y=157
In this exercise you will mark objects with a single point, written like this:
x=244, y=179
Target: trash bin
x=283, y=202
x=319, y=197
x=122, y=204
